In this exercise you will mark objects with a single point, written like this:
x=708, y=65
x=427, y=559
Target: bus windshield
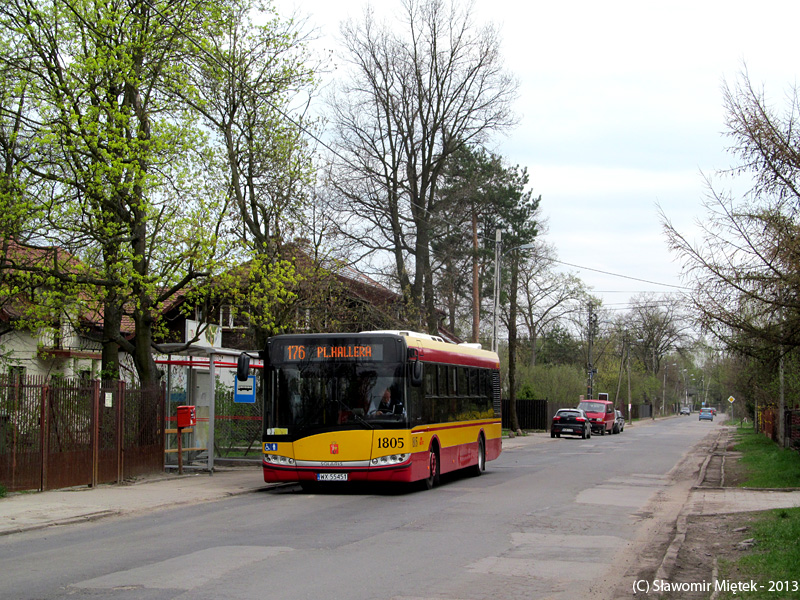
x=330, y=395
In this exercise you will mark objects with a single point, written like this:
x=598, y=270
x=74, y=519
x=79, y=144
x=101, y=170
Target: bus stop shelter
x=193, y=377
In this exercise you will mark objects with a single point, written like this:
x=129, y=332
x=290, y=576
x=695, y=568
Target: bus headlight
x=394, y=459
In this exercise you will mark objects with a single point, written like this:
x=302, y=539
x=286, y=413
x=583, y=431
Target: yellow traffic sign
x=731, y=399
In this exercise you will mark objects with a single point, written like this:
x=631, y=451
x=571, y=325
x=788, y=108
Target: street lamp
x=685, y=389
x=664, y=389
x=498, y=259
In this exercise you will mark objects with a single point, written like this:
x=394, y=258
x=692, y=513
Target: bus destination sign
x=321, y=352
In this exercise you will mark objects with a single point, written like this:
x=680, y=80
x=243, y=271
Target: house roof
x=21, y=256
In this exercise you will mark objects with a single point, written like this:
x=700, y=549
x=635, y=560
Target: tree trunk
x=534, y=337
x=112, y=322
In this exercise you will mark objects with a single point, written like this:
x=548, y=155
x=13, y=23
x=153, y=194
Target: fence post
x=95, y=432
x=120, y=424
x=44, y=433
x=162, y=421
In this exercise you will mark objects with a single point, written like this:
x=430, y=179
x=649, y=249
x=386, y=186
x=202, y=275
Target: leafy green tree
x=517, y=215
x=558, y=347
x=112, y=155
x=247, y=83
x=472, y=184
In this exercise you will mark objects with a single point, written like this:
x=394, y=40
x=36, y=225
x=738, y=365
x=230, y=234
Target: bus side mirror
x=243, y=367
x=416, y=373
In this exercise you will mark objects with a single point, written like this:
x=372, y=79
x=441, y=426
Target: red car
x=601, y=414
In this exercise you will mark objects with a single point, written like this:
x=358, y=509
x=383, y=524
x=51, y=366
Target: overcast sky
x=620, y=107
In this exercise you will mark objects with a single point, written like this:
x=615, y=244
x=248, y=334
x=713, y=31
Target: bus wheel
x=481, y=466
x=433, y=477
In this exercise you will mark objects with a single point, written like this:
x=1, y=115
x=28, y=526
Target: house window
x=233, y=317
x=58, y=336
x=226, y=316
x=16, y=374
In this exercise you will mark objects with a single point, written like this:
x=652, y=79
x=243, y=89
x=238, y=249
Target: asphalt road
x=560, y=519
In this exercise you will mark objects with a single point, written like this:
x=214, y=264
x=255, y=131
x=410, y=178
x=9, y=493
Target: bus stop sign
x=245, y=392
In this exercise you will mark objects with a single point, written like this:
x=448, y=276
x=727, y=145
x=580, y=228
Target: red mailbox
x=186, y=416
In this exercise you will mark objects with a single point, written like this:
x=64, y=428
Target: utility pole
x=497, y=255
x=592, y=329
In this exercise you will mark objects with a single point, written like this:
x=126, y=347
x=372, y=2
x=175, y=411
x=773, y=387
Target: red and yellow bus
x=377, y=406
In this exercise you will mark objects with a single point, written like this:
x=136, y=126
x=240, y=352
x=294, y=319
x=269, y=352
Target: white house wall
x=20, y=348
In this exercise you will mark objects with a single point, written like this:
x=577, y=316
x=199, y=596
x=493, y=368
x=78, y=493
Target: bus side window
x=430, y=381
x=442, y=380
x=474, y=382
x=463, y=381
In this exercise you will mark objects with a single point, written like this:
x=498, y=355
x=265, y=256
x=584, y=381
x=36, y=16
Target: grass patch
x=3, y=491
x=773, y=561
x=767, y=465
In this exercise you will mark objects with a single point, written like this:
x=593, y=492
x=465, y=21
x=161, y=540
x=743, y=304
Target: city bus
x=377, y=407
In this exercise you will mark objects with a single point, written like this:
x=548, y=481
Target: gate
x=60, y=432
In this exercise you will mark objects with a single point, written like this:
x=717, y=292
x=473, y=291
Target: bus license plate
x=331, y=476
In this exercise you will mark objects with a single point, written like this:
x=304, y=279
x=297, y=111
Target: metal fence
x=533, y=414
x=58, y=432
x=538, y=414
x=792, y=423
x=237, y=427
x=768, y=425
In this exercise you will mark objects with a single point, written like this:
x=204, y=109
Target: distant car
x=714, y=411
x=619, y=423
x=706, y=414
x=572, y=421
x=685, y=410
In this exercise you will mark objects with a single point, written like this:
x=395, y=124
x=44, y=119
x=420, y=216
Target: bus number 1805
x=386, y=442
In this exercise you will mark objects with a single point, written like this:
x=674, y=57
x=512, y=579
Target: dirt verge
x=711, y=539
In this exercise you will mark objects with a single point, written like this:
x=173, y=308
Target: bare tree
x=746, y=269
x=547, y=295
x=414, y=97
x=657, y=325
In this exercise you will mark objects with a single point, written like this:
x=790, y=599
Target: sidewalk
x=35, y=510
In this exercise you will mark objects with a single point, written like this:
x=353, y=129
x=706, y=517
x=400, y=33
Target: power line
x=679, y=287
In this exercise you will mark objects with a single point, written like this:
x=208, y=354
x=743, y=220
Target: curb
x=118, y=512
x=85, y=518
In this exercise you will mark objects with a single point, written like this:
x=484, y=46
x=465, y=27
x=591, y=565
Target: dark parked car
x=619, y=423
x=572, y=421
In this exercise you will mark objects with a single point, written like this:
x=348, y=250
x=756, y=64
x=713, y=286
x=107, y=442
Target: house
x=37, y=340
x=34, y=341
x=338, y=298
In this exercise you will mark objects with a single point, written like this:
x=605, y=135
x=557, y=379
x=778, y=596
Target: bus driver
x=386, y=406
